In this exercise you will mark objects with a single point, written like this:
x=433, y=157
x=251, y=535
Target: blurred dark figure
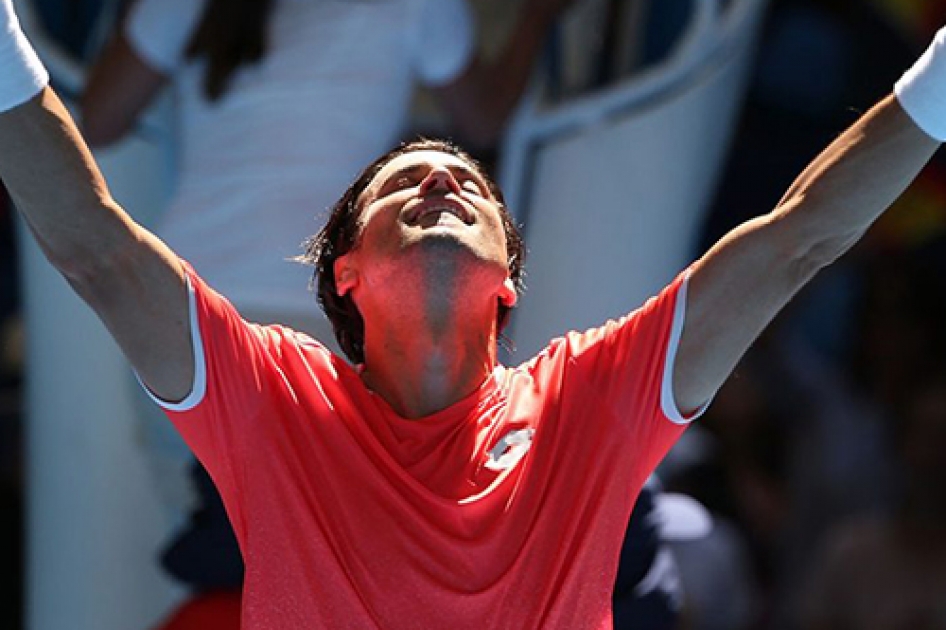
x=803, y=425
x=647, y=590
x=889, y=573
x=11, y=479
x=206, y=557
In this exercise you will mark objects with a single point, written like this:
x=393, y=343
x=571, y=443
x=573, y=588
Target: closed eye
x=403, y=182
x=397, y=184
x=473, y=186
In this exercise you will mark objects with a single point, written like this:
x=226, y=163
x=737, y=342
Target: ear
x=507, y=294
x=346, y=277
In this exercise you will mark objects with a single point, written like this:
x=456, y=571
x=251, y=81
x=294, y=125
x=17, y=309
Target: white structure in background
x=613, y=186
x=94, y=518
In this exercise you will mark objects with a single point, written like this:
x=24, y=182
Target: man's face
x=426, y=211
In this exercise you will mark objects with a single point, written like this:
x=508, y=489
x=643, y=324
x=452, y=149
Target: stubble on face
x=447, y=265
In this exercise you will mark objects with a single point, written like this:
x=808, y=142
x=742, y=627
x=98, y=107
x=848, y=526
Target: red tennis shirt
x=505, y=510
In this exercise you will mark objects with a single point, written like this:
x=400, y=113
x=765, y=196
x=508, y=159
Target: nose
x=439, y=178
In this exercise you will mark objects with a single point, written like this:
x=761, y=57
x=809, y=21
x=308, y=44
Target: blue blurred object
x=205, y=555
x=666, y=22
x=646, y=560
x=73, y=23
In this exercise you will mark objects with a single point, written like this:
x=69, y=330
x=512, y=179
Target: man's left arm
x=739, y=286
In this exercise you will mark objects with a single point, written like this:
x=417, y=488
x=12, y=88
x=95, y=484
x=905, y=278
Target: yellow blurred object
x=918, y=217
x=916, y=19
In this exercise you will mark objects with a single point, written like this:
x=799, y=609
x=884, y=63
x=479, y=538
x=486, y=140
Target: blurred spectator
x=803, y=427
x=804, y=440
x=890, y=573
x=279, y=104
x=738, y=469
x=206, y=557
x=681, y=568
x=647, y=593
x=718, y=576
x=217, y=610
x=73, y=24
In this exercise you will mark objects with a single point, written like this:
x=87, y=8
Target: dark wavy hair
x=230, y=34
x=341, y=232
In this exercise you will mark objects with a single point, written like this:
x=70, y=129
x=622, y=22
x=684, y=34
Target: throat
x=422, y=393
x=421, y=369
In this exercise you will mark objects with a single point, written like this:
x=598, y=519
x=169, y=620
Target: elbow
x=91, y=274
x=821, y=251
x=826, y=251
x=85, y=261
x=812, y=245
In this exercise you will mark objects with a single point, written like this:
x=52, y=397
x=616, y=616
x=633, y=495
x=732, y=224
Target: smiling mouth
x=421, y=214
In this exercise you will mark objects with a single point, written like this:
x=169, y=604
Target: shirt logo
x=510, y=449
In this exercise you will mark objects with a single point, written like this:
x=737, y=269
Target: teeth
x=449, y=209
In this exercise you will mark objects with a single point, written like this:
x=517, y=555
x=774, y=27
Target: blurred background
x=649, y=129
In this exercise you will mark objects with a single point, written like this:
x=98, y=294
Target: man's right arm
x=132, y=280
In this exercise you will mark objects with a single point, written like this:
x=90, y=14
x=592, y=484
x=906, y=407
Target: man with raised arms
x=429, y=486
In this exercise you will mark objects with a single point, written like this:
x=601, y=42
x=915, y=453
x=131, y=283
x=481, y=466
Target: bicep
x=142, y=298
x=735, y=290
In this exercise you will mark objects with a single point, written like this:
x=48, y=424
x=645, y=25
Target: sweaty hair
x=230, y=34
x=341, y=232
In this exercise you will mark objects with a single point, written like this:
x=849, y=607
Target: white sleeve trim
x=199, y=386
x=667, y=402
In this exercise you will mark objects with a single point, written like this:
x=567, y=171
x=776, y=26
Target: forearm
x=740, y=285
x=56, y=185
x=847, y=187
x=852, y=182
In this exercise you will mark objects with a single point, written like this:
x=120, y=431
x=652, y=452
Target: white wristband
x=922, y=89
x=22, y=75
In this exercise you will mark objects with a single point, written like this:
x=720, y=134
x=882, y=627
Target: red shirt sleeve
x=623, y=371
x=238, y=380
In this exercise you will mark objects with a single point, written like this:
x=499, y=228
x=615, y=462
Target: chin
x=443, y=240
x=448, y=257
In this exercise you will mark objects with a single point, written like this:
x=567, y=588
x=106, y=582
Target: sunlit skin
x=427, y=273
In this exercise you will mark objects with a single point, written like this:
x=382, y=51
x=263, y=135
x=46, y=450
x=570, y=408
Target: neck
x=423, y=362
